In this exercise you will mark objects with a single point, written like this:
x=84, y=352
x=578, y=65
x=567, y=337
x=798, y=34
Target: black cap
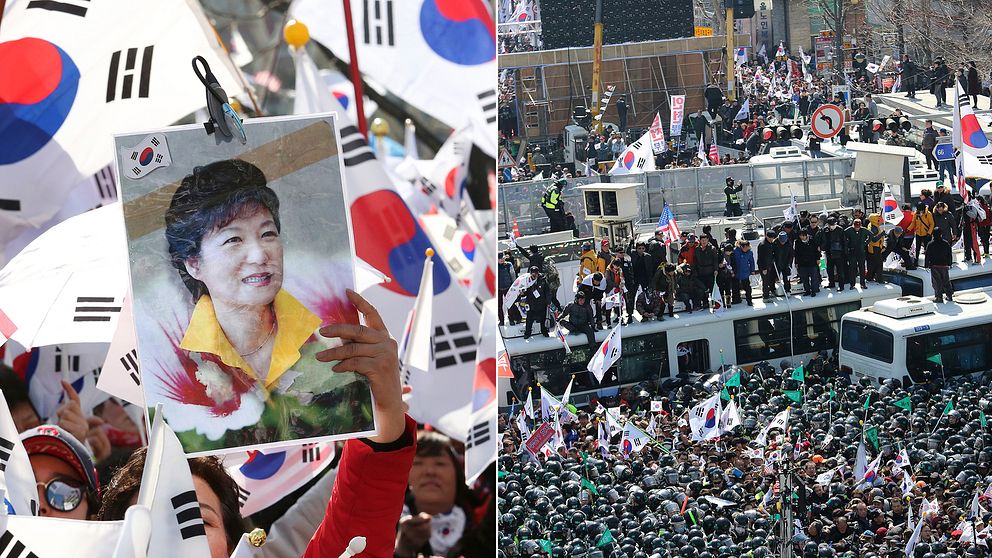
x=534, y=269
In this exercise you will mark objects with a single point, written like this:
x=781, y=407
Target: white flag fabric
x=860, y=462
x=522, y=426
x=568, y=392
x=780, y=421
x=871, y=471
x=444, y=177
x=891, y=211
x=86, y=71
x=20, y=492
x=906, y=484
x=969, y=137
x=76, y=269
x=550, y=405
x=120, y=375
x=792, y=211
x=439, y=57
x=481, y=433
x=390, y=240
x=603, y=440
x=415, y=347
x=652, y=428
x=902, y=460
x=915, y=537
x=745, y=112
x=265, y=477
x=824, y=478
x=716, y=300
x=638, y=157
x=48, y=537
x=612, y=422
x=135, y=533
x=872, y=67
x=633, y=439
x=564, y=340
x=529, y=407
x=167, y=490
x=519, y=285
x=730, y=418
x=704, y=419
x=344, y=91
x=245, y=549
x=607, y=354
x=657, y=134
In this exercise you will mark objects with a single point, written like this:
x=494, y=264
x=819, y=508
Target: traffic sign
x=827, y=121
x=505, y=159
x=943, y=152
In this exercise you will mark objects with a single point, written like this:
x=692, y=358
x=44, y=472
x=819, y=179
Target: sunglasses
x=62, y=494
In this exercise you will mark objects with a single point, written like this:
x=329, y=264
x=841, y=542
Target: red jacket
x=367, y=498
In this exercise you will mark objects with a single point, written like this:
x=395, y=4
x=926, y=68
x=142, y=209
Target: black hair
x=210, y=198
x=126, y=482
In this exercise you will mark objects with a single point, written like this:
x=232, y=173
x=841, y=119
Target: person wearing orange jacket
x=908, y=232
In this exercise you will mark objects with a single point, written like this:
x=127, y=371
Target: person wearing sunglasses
x=68, y=486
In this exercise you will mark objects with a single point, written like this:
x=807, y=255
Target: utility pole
x=730, y=51
x=839, y=40
x=597, y=63
x=787, y=525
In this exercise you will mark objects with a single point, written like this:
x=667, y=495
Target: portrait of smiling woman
x=246, y=358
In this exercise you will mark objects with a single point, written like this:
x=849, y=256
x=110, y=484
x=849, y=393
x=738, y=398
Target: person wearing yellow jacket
x=876, y=245
x=587, y=262
x=922, y=226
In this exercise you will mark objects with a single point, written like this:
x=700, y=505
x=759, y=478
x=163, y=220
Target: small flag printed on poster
x=150, y=154
x=656, y=407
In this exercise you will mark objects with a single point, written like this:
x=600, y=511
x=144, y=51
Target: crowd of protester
x=800, y=256
x=588, y=495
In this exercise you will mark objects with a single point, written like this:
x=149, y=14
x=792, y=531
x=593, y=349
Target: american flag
x=962, y=187
x=667, y=224
x=714, y=156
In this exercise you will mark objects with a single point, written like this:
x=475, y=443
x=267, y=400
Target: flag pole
x=356, y=76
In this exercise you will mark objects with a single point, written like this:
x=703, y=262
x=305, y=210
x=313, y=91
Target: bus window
x=911, y=286
x=974, y=282
x=645, y=358
x=962, y=351
x=694, y=356
x=767, y=337
x=818, y=329
x=866, y=340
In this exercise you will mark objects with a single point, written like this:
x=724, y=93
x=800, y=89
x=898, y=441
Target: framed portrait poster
x=238, y=255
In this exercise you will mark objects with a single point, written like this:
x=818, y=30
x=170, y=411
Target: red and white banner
x=678, y=113
x=657, y=133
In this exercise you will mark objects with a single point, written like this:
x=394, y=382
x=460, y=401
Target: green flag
x=949, y=407
x=585, y=483
x=585, y=456
x=725, y=395
x=872, y=434
x=832, y=393
x=500, y=474
x=905, y=403
x=604, y=539
x=794, y=395
x=936, y=358
x=867, y=401
x=981, y=417
x=545, y=544
x=799, y=374
x=734, y=381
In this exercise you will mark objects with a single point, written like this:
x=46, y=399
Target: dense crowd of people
x=866, y=469
x=799, y=256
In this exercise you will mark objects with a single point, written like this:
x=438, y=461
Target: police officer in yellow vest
x=733, y=198
x=553, y=206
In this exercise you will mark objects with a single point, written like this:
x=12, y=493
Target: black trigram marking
x=16, y=547
x=10, y=205
x=188, y=515
x=93, y=309
x=478, y=303
x=487, y=100
x=127, y=73
x=354, y=148
x=453, y=344
x=106, y=186
x=480, y=434
x=69, y=362
x=6, y=448
x=130, y=363
x=77, y=9
x=311, y=453
x=378, y=22
x=243, y=494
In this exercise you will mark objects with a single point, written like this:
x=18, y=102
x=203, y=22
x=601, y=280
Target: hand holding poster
x=238, y=255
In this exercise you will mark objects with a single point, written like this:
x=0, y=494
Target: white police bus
x=792, y=328
x=900, y=338
x=963, y=276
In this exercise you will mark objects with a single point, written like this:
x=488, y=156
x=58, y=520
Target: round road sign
x=827, y=121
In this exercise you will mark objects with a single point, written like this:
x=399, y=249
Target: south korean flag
x=638, y=157
x=151, y=153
